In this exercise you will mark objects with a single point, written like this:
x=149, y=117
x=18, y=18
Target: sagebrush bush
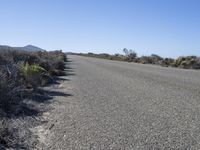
x=11, y=86
x=21, y=73
x=20, y=70
x=188, y=62
x=59, y=65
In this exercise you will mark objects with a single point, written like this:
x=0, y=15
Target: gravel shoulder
x=104, y=104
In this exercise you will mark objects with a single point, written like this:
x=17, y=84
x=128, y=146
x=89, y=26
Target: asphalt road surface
x=120, y=105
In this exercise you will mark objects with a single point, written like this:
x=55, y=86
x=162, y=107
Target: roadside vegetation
x=22, y=74
x=185, y=62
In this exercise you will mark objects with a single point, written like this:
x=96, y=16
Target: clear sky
x=165, y=27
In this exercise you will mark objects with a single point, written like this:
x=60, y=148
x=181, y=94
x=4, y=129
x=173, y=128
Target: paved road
x=119, y=105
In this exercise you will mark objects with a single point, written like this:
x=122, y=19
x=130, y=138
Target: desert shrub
x=59, y=65
x=62, y=56
x=119, y=57
x=57, y=68
x=46, y=65
x=189, y=62
x=153, y=59
x=130, y=54
x=20, y=70
x=196, y=65
x=23, y=56
x=184, y=64
x=32, y=69
x=33, y=75
x=32, y=59
x=8, y=92
x=21, y=73
x=167, y=62
x=178, y=61
x=53, y=66
x=11, y=87
x=104, y=55
x=145, y=60
x=156, y=57
x=89, y=53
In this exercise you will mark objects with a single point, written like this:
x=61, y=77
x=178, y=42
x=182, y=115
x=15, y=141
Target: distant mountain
x=5, y=47
x=29, y=48
x=25, y=48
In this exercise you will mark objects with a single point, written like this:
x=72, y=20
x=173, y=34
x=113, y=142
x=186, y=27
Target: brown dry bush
x=20, y=73
x=20, y=70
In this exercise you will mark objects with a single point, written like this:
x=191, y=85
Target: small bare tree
x=130, y=54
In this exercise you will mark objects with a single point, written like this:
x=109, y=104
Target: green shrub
x=32, y=69
x=33, y=75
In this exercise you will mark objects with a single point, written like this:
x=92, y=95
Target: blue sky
x=165, y=27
